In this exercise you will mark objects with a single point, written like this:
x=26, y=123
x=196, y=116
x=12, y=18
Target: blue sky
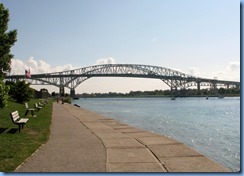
x=193, y=36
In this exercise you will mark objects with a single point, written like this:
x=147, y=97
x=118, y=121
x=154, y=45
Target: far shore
x=197, y=96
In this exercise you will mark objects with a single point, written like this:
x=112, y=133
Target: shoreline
x=84, y=141
x=204, y=96
x=202, y=128
x=172, y=155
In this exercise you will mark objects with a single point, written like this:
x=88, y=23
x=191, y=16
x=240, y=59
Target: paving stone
x=122, y=143
x=111, y=124
x=107, y=120
x=141, y=155
x=116, y=127
x=156, y=140
x=130, y=129
x=191, y=164
x=135, y=167
x=85, y=118
x=172, y=150
x=94, y=125
x=141, y=134
x=111, y=134
x=105, y=130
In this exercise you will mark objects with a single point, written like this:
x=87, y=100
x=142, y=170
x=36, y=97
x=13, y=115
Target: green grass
x=16, y=147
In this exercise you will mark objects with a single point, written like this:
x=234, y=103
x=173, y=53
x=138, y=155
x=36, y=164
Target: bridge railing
x=72, y=78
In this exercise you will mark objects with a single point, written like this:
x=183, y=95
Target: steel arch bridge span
x=73, y=78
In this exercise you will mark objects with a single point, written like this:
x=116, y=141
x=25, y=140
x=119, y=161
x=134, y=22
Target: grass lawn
x=16, y=147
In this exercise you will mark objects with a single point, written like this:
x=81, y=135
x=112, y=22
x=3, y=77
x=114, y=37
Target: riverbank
x=127, y=149
x=211, y=126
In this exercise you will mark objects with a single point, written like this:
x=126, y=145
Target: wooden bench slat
x=15, y=113
x=15, y=117
x=38, y=107
x=17, y=120
x=23, y=120
x=32, y=110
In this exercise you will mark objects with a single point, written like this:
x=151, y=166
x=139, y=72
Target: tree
x=7, y=40
x=221, y=91
x=53, y=94
x=22, y=91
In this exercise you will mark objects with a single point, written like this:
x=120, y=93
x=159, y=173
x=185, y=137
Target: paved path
x=83, y=141
x=71, y=147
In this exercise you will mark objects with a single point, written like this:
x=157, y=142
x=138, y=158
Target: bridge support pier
x=214, y=88
x=227, y=86
x=183, y=92
x=173, y=92
x=72, y=93
x=61, y=90
x=198, y=88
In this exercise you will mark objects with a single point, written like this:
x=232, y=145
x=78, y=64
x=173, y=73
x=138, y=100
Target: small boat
x=173, y=98
x=76, y=98
x=206, y=97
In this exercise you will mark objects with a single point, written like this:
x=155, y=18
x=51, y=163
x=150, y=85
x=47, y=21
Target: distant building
x=43, y=93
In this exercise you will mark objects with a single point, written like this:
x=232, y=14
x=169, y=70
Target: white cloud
x=36, y=66
x=234, y=66
x=229, y=72
x=17, y=67
x=31, y=63
x=194, y=71
x=109, y=60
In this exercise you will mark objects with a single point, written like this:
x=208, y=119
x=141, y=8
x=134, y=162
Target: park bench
x=37, y=107
x=41, y=104
x=32, y=110
x=17, y=120
x=45, y=101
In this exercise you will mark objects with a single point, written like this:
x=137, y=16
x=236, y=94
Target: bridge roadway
x=73, y=78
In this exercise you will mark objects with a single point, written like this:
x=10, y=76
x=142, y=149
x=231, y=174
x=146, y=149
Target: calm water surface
x=211, y=126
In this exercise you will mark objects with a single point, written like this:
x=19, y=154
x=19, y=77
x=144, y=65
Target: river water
x=211, y=126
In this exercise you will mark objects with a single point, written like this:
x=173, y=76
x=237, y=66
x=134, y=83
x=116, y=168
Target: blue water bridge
x=73, y=78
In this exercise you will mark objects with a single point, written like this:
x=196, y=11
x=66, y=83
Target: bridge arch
x=73, y=78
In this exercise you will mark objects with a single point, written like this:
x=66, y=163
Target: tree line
x=167, y=93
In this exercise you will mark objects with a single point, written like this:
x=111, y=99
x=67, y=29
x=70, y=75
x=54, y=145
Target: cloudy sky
x=196, y=37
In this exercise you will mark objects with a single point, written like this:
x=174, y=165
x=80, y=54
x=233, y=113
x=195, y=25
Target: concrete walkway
x=83, y=141
x=71, y=147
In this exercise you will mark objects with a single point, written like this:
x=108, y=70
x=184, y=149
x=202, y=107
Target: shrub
x=21, y=91
x=3, y=94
